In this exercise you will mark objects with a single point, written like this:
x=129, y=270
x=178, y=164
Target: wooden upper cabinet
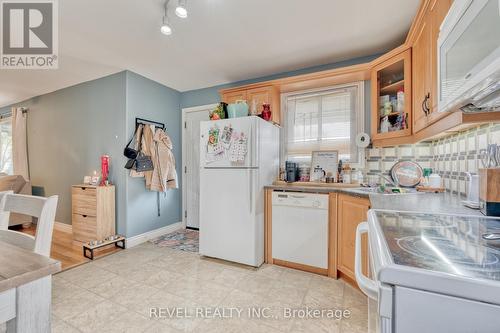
x=437, y=12
x=425, y=65
x=391, y=115
x=351, y=211
x=422, y=76
x=233, y=96
x=255, y=98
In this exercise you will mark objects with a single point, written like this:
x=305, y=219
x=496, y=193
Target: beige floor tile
x=270, y=271
x=137, y=279
x=319, y=298
x=353, y=296
x=241, y=299
x=142, y=272
x=60, y=326
x=110, y=288
x=79, y=303
x=256, y=285
x=161, y=327
x=233, y=326
x=128, y=322
x=202, y=292
x=315, y=325
x=287, y=294
x=296, y=278
x=162, y=278
x=63, y=290
x=96, y=317
x=229, y=277
x=87, y=275
x=134, y=297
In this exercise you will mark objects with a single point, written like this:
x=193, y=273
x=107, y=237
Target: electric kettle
x=473, y=187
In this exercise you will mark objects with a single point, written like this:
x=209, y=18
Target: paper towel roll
x=362, y=140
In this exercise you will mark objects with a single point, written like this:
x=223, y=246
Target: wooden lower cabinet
x=93, y=210
x=351, y=211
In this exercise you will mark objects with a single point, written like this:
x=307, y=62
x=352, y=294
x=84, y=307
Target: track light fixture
x=181, y=9
x=166, y=28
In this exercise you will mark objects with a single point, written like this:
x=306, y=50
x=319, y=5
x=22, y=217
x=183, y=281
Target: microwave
x=469, y=57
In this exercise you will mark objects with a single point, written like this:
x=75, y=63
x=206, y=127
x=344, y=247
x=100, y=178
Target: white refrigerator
x=238, y=157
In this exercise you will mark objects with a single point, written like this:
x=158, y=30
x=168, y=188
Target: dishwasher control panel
x=299, y=199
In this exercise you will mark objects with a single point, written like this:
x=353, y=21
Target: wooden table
x=25, y=289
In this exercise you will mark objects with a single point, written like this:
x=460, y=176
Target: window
x=6, y=146
x=324, y=120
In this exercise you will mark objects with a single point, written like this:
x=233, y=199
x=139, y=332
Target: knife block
x=489, y=191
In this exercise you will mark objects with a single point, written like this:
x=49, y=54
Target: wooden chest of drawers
x=93, y=209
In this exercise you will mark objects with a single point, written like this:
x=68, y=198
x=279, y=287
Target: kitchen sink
x=387, y=191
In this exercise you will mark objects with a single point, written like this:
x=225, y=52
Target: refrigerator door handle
x=250, y=190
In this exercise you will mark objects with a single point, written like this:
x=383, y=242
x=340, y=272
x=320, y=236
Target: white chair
x=42, y=208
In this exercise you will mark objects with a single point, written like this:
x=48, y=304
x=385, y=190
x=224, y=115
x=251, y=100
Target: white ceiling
x=221, y=41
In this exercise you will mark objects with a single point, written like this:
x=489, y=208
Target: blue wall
x=68, y=131
x=211, y=95
x=151, y=100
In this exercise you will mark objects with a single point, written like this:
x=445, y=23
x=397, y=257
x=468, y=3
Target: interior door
x=191, y=160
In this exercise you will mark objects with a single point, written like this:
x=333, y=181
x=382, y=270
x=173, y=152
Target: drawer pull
x=84, y=215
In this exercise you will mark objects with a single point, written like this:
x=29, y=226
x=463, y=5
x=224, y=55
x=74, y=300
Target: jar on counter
x=346, y=174
x=304, y=174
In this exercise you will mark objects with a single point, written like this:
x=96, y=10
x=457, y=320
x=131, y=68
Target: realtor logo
x=29, y=34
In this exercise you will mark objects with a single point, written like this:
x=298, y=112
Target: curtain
x=19, y=143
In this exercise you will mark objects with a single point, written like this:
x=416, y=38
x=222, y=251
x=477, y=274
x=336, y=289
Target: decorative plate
x=407, y=173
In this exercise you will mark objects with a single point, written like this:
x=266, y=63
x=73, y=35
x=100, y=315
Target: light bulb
x=166, y=29
x=181, y=9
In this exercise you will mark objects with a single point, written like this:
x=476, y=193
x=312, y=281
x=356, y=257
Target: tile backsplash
x=451, y=156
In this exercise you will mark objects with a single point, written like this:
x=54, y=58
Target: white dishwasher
x=300, y=228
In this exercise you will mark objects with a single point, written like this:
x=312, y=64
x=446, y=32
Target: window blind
x=325, y=120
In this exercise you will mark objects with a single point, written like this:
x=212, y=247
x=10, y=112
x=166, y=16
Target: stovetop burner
x=444, y=243
x=437, y=248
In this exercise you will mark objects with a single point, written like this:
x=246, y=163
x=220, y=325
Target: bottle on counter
x=346, y=174
x=339, y=172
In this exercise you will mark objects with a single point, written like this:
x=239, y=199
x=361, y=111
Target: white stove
x=431, y=272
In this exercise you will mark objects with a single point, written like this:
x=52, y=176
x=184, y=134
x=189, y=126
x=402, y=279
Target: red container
x=104, y=169
x=266, y=112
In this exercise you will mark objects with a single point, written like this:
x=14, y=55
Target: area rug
x=184, y=240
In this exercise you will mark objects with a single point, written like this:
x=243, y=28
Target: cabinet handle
x=425, y=104
x=84, y=215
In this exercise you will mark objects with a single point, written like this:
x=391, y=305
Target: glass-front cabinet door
x=391, y=97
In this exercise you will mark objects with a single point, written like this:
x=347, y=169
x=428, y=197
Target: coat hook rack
x=143, y=121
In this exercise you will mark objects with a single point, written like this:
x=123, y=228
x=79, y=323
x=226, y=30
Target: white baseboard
x=142, y=238
x=63, y=227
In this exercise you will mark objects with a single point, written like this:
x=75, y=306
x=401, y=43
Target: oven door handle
x=367, y=285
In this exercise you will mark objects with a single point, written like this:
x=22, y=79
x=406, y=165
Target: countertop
x=19, y=266
x=445, y=203
x=319, y=189
x=439, y=203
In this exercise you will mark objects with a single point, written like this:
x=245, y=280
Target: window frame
x=360, y=116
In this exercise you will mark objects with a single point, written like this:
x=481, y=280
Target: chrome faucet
x=387, y=179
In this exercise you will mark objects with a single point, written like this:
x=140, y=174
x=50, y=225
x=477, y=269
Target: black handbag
x=130, y=164
x=130, y=153
x=143, y=163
